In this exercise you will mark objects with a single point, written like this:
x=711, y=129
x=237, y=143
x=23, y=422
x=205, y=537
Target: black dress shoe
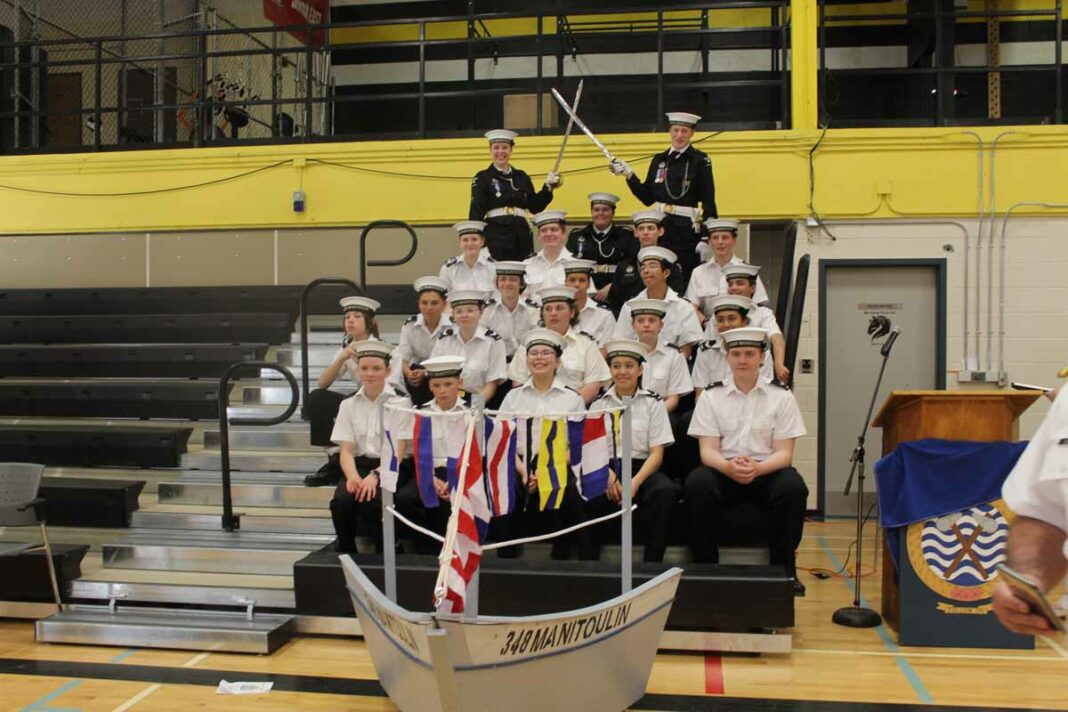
x=799, y=589
x=328, y=475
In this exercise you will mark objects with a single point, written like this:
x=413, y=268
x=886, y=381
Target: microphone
x=889, y=343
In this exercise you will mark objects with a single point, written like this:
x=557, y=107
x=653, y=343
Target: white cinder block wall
x=1036, y=302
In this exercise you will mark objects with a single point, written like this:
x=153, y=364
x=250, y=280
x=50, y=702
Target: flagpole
x=445, y=557
x=478, y=408
x=626, y=465
x=389, y=537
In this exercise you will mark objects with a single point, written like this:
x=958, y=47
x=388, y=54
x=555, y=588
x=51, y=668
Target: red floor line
x=713, y=675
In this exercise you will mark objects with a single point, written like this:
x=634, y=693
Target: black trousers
x=352, y=518
x=680, y=237
x=655, y=498
x=508, y=239
x=321, y=410
x=568, y=513
x=709, y=493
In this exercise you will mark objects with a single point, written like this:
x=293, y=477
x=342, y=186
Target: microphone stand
x=857, y=616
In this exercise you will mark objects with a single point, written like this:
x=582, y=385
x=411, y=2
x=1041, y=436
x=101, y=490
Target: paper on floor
x=243, y=688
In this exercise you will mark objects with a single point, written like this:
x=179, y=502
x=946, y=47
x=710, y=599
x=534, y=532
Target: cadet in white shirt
x=443, y=376
x=472, y=268
x=594, y=318
x=710, y=365
x=582, y=366
x=510, y=316
x=654, y=492
x=322, y=403
x=418, y=334
x=543, y=393
x=742, y=281
x=747, y=430
x=546, y=268
x=1037, y=491
x=681, y=326
x=483, y=351
x=356, y=505
x=707, y=280
x=664, y=371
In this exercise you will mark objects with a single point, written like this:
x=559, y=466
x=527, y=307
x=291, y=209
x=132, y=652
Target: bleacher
x=126, y=418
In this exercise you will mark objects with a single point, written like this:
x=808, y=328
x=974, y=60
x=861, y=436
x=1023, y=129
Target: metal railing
x=229, y=521
x=366, y=232
x=422, y=99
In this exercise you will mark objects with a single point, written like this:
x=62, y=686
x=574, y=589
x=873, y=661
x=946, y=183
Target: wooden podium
x=979, y=416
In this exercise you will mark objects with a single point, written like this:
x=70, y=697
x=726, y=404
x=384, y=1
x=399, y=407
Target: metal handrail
x=365, y=233
x=304, y=322
x=229, y=521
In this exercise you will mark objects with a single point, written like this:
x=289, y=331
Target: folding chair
x=21, y=507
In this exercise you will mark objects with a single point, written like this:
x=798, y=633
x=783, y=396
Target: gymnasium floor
x=831, y=668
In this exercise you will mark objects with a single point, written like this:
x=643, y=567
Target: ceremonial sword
x=582, y=126
x=567, y=131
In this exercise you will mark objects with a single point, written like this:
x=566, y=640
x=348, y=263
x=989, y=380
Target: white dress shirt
x=747, y=423
x=597, y=320
x=511, y=326
x=665, y=372
x=707, y=282
x=458, y=275
x=681, y=326
x=358, y=421
x=649, y=419
x=580, y=364
x=484, y=359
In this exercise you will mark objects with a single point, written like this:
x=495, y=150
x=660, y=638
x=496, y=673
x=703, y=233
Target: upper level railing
x=205, y=90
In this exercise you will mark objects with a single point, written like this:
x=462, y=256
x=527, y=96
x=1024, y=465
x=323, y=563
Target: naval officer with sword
x=679, y=184
x=504, y=197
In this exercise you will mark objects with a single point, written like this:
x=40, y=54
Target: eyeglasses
x=541, y=353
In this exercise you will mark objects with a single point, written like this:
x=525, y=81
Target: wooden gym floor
x=831, y=668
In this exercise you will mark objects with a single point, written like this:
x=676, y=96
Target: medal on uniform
x=497, y=187
x=661, y=172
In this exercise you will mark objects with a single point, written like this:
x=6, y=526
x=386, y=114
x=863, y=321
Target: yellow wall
x=860, y=172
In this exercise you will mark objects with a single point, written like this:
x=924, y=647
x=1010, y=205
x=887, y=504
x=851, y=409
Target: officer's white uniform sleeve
x=703, y=423
x=343, y=431
x=659, y=425
x=497, y=369
x=788, y=421
x=678, y=380
x=1036, y=487
x=595, y=367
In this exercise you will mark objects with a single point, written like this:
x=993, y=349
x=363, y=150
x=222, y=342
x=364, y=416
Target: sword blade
x=567, y=131
x=582, y=127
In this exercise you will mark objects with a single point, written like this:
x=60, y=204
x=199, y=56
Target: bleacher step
x=217, y=552
x=275, y=438
x=179, y=594
x=279, y=461
x=249, y=523
x=246, y=494
x=216, y=631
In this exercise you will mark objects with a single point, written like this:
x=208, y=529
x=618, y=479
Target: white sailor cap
x=543, y=337
x=729, y=301
x=360, y=303
x=662, y=254
x=518, y=269
x=625, y=347
x=458, y=297
x=469, y=226
x=681, y=117
x=576, y=265
x=750, y=272
x=721, y=225
x=443, y=366
x=501, y=135
x=550, y=216
x=647, y=306
x=556, y=294
x=605, y=198
x=373, y=347
x=435, y=284
x=746, y=336
x=644, y=216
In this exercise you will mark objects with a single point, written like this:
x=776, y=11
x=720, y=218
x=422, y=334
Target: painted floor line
x=902, y=663
x=936, y=656
x=195, y=660
x=41, y=703
x=1052, y=642
x=137, y=698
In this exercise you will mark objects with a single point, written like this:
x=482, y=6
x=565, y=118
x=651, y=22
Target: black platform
x=186, y=328
x=24, y=576
x=88, y=502
x=132, y=361
x=710, y=597
x=87, y=446
x=112, y=399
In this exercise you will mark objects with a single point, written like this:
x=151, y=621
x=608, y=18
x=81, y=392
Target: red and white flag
x=472, y=523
